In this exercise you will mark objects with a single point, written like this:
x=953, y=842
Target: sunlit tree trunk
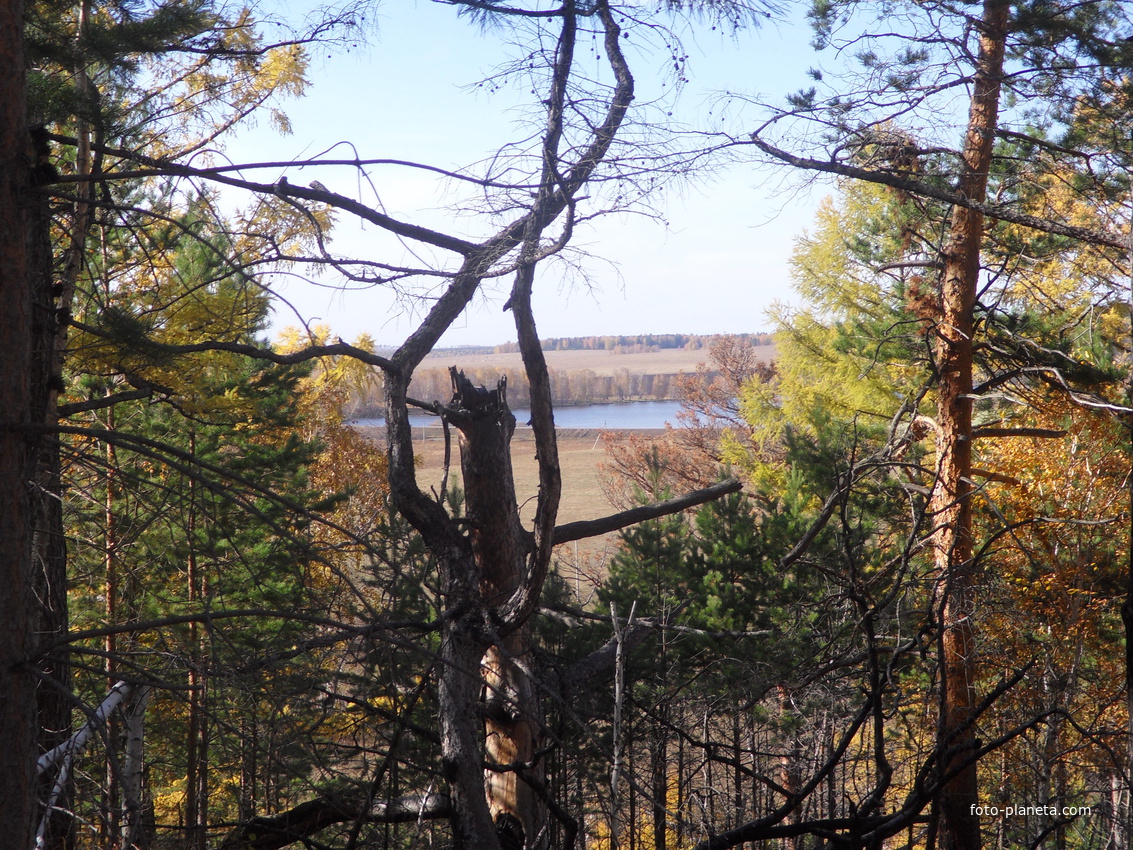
x=1123, y=799
x=951, y=503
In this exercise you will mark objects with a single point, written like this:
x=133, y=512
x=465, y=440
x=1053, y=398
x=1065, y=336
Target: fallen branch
x=67, y=750
x=306, y=819
x=64, y=754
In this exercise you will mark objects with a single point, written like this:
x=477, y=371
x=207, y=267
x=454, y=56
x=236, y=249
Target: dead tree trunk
x=513, y=722
x=951, y=504
x=464, y=632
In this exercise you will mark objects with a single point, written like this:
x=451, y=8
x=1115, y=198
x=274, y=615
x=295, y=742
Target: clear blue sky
x=716, y=267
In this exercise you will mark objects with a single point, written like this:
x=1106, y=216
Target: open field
x=668, y=361
x=580, y=454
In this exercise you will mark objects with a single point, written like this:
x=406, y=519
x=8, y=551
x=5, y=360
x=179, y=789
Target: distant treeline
x=633, y=344
x=569, y=387
x=622, y=344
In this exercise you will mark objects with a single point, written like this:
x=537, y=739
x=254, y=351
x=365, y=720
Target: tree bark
x=951, y=504
x=513, y=721
x=18, y=443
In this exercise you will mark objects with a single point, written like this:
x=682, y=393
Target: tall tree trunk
x=18, y=442
x=458, y=692
x=50, y=547
x=49, y=541
x=951, y=502
x=1123, y=802
x=32, y=553
x=659, y=776
x=462, y=644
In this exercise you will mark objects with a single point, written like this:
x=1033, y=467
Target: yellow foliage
x=170, y=807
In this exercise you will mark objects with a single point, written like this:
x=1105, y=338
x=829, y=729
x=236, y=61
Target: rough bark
x=462, y=636
x=18, y=442
x=951, y=505
x=458, y=693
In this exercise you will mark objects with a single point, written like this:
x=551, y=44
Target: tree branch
x=593, y=527
x=917, y=187
x=1044, y=433
x=338, y=349
x=277, y=831
x=284, y=189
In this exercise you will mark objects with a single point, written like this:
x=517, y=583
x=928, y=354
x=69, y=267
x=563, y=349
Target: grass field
x=581, y=454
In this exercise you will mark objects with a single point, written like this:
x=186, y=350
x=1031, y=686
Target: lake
x=630, y=415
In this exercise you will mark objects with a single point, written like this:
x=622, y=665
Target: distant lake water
x=630, y=415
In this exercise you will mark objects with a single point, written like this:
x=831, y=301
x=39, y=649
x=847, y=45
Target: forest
x=876, y=595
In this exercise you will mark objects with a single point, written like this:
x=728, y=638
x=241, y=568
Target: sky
x=715, y=265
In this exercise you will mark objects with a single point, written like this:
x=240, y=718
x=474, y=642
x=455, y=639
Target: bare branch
x=918, y=187
x=593, y=527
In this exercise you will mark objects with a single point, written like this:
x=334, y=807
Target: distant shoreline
x=523, y=433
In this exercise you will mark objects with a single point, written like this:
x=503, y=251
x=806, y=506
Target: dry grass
x=581, y=452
